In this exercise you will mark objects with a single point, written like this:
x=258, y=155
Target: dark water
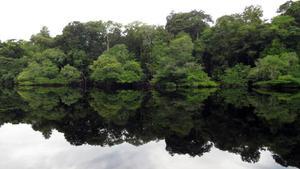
x=67, y=128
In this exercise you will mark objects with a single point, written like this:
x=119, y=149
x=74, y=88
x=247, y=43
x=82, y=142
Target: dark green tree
x=193, y=23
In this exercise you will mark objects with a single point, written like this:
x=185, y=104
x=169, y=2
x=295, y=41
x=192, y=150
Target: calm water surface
x=72, y=129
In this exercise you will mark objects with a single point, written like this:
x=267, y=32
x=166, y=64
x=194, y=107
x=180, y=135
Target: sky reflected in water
x=31, y=150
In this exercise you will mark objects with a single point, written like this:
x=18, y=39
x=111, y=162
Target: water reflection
x=196, y=123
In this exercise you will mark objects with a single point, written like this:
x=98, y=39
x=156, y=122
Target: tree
x=70, y=74
x=193, y=23
x=39, y=73
x=177, y=68
x=237, y=38
x=12, y=49
x=47, y=73
x=116, y=65
x=252, y=14
x=140, y=39
x=56, y=56
x=291, y=8
x=9, y=69
x=12, y=60
x=236, y=76
x=43, y=38
x=92, y=37
x=117, y=107
x=286, y=26
x=82, y=36
x=113, y=33
x=78, y=59
x=272, y=67
x=106, y=70
x=181, y=49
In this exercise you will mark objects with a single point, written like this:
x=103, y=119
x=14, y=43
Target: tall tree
x=140, y=39
x=193, y=23
x=291, y=8
x=237, y=38
x=178, y=68
x=43, y=38
x=92, y=37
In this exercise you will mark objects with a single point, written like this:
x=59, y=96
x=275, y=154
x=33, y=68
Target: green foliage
x=106, y=70
x=78, y=59
x=12, y=49
x=92, y=37
x=273, y=66
x=291, y=8
x=287, y=31
x=116, y=65
x=275, y=48
x=193, y=23
x=282, y=82
x=47, y=73
x=43, y=39
x=273, y=107
x=238, y=96
x=116, y=107
x=39, y=73
x=252, y=14
x=140, y=39
x=277, y=71
x=70, y=74
x=236, y=76
x=237, y=38
x=158, y=51
x=173, y=113
x=181, y=48
x=186, y=52
x=276, y=108
x=176, y=66
x=196, y=77
x=55, y=55
x=46, y=103
x=9, y=69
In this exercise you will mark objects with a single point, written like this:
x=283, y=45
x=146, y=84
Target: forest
x=190, y=51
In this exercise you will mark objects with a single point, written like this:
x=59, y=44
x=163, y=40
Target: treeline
x=238, y=50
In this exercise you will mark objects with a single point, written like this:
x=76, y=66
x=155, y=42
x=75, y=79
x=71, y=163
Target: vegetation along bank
x=189, y=51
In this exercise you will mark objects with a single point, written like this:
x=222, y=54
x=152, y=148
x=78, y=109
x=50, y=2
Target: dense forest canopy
x=189, y=51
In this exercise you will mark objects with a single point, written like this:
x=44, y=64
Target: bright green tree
x=236, y=76
x=70, y=74
x=116, y=65
x=176, y=66
x=273, y=66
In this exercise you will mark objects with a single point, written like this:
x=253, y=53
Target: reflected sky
x=20, y=142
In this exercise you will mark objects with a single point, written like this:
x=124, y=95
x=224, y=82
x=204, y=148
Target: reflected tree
x=190, y=121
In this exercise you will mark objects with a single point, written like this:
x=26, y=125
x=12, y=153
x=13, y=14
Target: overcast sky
x=22, y=18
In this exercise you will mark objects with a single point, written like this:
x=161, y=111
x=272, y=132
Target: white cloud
x=21, y=19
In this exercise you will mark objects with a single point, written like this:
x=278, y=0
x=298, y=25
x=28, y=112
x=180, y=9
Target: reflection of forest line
x=191, y=121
